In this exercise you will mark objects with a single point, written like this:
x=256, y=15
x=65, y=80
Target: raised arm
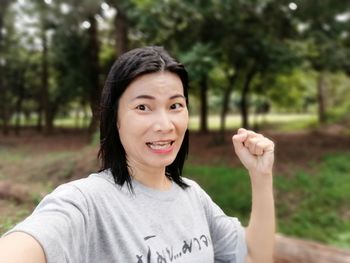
x=19, y=247
x=256, y=152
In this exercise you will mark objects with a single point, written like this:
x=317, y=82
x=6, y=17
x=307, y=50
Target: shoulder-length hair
x=125, y=69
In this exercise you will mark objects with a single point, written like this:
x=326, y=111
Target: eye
x=142, y=107
x=176, y=106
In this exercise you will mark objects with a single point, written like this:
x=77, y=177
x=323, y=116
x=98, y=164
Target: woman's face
x=152, y=120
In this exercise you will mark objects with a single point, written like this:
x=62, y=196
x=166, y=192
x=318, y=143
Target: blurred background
x=279, y=67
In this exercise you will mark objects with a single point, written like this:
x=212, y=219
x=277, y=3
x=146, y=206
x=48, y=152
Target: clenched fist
x=255, y=151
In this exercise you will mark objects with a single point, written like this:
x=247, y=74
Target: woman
x=139, y=208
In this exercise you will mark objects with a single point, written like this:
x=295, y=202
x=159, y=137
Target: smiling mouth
x=163, y=145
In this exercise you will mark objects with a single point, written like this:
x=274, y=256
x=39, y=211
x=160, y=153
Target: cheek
x=182, y=123
x=131, y=129
x=185, y=120
x=125, y=129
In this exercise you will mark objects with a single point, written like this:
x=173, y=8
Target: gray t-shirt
x=94, y=220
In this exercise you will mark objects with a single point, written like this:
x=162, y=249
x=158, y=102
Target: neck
x=151, y=177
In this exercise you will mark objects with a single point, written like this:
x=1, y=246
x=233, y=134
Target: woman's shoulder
x=94, y=180
x=89, y=187
x=191, y=182
x=193, y=186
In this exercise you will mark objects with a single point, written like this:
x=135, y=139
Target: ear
x=117, y=124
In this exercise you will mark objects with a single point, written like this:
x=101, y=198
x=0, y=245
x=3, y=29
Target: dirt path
x=292, y=149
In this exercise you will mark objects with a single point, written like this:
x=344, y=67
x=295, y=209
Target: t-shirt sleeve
x=60, y=224
x=227, y=233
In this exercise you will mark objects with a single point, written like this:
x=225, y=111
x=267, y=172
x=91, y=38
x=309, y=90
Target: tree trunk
x=50, y=120
x=5, y=116
x=77, y=118
x=44, y=84
x=203, y=127
x=94, y=70
x=244, y=98
x=3, y=109
x=292, y=250
x=226, y=100
x=2, y=101
x=321, y=83
x=121, y=30
x=39, y=124
x=20, y=99
x=224, y=110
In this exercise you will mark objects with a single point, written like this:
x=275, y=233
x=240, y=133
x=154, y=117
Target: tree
x=69, y=61
x=322, y=31
x=256, y=44
x=87, y=47
x=4, y=115
x=121, y=25
x=200, y=61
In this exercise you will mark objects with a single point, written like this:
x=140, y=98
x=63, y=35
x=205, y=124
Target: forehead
x=157, y=83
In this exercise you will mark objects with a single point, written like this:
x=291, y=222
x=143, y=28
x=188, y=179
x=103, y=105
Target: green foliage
x=199, y=60
x=161, y=22
x=69, y=59
x=293, y=91
x=338, y=97
x=323, y=33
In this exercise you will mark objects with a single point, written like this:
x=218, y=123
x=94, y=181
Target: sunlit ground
x=285, y=122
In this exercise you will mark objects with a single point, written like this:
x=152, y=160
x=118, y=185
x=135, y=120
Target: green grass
x=309, y=205
x=321, y=202
x=284, y=122
x=230, y=188
x=6, y=223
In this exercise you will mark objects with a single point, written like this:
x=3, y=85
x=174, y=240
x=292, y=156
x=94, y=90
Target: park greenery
x=283, y=65
x=244, y=57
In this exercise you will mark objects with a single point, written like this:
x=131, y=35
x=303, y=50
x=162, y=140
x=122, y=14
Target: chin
x=163, y=163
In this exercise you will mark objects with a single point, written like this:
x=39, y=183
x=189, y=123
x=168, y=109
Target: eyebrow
x=149, y=97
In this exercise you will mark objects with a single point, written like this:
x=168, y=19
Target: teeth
x=159, y=145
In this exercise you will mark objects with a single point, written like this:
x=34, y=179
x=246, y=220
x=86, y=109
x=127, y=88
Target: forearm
x=261, y=229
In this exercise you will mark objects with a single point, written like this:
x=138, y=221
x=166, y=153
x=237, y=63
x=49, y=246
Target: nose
x=163, y=122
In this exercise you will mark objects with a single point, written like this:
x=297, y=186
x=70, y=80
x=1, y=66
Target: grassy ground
x=311, y=205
